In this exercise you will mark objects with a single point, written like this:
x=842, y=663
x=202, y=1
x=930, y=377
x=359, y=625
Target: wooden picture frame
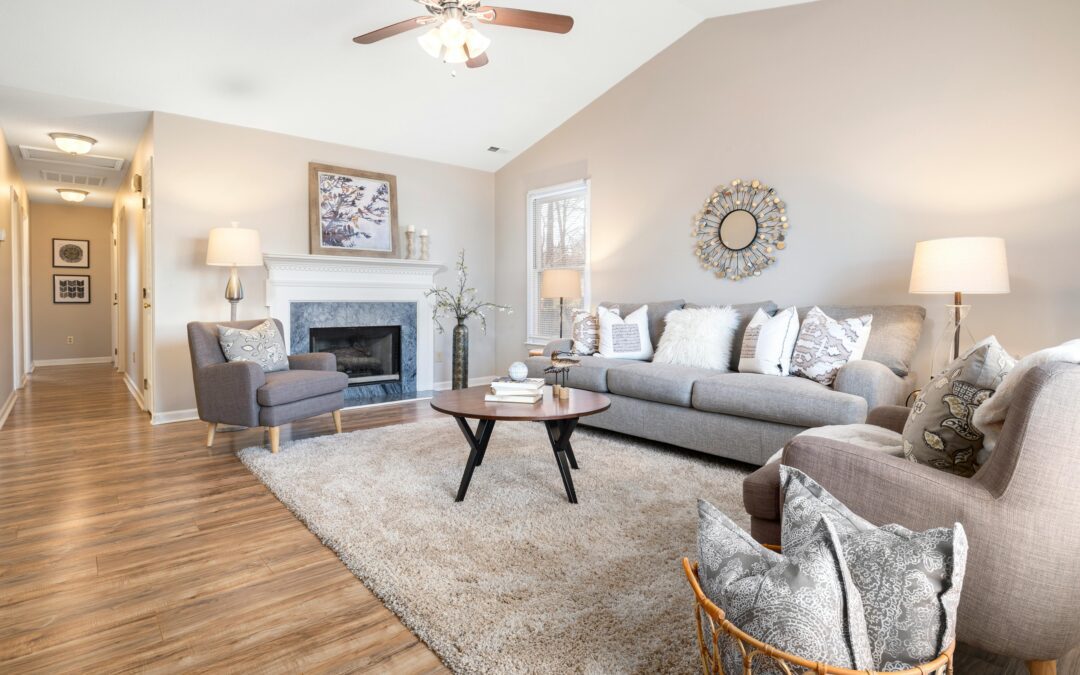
x=71, y=289
x=71, y=253
x=352, y=212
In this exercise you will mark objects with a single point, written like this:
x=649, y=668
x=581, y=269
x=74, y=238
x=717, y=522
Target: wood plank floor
x=130, y=547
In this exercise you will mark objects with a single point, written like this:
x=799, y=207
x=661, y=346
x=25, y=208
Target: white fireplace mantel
x=329, y=278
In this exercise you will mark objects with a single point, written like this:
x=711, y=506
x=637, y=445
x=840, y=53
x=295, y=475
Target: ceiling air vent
x=72, y=178
x=84, y=161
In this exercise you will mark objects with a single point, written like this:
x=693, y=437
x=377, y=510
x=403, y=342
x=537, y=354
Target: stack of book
x=506, y=390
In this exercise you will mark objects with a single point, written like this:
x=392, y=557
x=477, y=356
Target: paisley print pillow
x=804, y=603
x=939, y=431
x=910, y=582
x=585, y=332
x=825, y=345
x=262, y=344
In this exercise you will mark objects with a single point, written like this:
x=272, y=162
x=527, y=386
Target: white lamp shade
x=234, y=246
x=961, y=264
x=560, y=284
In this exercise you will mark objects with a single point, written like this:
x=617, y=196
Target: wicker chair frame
x=754, y=650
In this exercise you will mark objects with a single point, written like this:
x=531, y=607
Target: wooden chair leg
x=1042, y=667
x=275, y=439
x=211, y=429
x=337, y=420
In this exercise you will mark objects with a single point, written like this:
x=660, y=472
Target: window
x=558, y=238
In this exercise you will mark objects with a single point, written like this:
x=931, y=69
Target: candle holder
x=410, y=245
x=424, y=245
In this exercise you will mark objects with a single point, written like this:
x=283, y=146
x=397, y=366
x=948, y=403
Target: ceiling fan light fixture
x=431, y=42
x=73, y=144
x=72, y=195
x=452, y=32
x=477, y=42
x=456, y=55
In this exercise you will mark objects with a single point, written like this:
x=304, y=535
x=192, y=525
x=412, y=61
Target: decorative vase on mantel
x=460, y=376
x=460, y=303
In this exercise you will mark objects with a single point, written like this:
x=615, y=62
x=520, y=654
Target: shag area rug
x=514, y=579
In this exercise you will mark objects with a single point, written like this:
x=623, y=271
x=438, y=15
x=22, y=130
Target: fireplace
x=367, y=354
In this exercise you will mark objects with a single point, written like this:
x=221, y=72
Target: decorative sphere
x=518, y=371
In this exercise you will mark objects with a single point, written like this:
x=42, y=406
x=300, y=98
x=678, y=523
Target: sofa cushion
x=660, y=382
x=746, y=312
x=788, y=400
x=591, y=372
x=895, y=334
x=288, y=386
x=657, y=313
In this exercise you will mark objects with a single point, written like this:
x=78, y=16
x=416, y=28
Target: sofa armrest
x=225, y=392
x=313, y=361
x=560, y=345
x=873, y=381
x=891, y=417
x=886, y=489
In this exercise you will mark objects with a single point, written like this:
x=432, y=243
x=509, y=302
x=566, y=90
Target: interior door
x=17, y=297
x=147, y=275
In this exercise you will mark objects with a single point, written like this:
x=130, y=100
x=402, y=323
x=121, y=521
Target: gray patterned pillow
x=825, y=345
x=804, y=604
x=909, y=581
x=939, y=431
x=262, y=344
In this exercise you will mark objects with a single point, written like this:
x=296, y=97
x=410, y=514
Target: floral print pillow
x=825, y=345
x=262, y=344
x=939, y=431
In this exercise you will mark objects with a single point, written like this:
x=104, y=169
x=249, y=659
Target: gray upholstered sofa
x=744, y=416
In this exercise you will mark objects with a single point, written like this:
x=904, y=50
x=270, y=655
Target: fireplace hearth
x=367, y=354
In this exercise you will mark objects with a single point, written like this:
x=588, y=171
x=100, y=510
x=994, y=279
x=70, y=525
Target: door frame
x=114, y=283
x=147, y=278
x=20, y=297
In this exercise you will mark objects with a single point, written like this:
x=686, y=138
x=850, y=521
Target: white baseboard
x=170, y=416
x=8, y=405
x=73, y=362
x=473, y=382
x=135, y=393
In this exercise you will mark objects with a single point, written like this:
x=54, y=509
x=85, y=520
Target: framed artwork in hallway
x=71, y=289
x=352, y=212
x=71, y=253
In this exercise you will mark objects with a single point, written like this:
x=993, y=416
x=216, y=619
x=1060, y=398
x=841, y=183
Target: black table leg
x=478, y=443
x=559, y=432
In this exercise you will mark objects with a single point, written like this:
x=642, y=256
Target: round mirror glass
x=738, y=230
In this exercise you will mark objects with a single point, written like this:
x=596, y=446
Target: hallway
x=133, y=547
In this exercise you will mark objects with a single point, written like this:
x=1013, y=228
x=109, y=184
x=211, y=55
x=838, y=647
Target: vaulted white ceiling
x=290, y=66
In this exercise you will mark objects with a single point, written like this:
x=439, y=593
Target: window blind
x=558, y=239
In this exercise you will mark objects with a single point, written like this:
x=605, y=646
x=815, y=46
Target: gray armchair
x=1021, y=511
x=240, y=393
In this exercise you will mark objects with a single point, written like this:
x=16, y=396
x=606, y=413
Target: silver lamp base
x=234, y=292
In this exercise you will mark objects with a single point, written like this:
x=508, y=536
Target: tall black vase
x=460, y=378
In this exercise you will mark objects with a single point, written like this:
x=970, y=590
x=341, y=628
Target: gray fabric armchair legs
x=240, y=393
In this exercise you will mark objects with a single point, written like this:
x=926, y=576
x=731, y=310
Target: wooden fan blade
x=477, y=61
x=524, y=18
x=390, y=31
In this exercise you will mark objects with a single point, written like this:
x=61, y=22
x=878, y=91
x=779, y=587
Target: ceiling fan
x=453, y=35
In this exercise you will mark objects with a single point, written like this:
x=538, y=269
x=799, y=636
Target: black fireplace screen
x=367, y=354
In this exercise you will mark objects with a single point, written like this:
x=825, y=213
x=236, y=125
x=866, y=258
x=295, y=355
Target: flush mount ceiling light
x=453, y=37
x=72, y=195
x=73, y=144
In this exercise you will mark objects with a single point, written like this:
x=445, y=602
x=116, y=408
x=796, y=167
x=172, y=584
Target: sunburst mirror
x=739, y=229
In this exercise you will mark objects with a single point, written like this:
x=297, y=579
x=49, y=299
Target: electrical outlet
x=71, y=339
x=438, y=357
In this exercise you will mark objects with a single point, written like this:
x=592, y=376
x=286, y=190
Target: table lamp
x=560, y=284
x=234, y=247
x=958, y=265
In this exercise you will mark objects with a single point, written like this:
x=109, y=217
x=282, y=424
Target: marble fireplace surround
x=328, y=279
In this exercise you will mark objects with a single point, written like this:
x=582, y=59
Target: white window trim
x=532, y=338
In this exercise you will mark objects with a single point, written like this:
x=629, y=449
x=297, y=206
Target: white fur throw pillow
x=625, y=338
x=700, y=337
x=768, y=342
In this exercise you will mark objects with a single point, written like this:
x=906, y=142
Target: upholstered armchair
x=240, y=393
x=1021, y=512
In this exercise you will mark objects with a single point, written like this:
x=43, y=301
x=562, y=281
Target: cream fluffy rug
x=514, y=579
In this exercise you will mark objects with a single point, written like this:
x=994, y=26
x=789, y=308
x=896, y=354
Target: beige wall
x=208, y=174
x=880, y=122
x=88, y=324
x=9, y=178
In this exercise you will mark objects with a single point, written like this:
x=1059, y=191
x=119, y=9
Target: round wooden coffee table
x=559, y=416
